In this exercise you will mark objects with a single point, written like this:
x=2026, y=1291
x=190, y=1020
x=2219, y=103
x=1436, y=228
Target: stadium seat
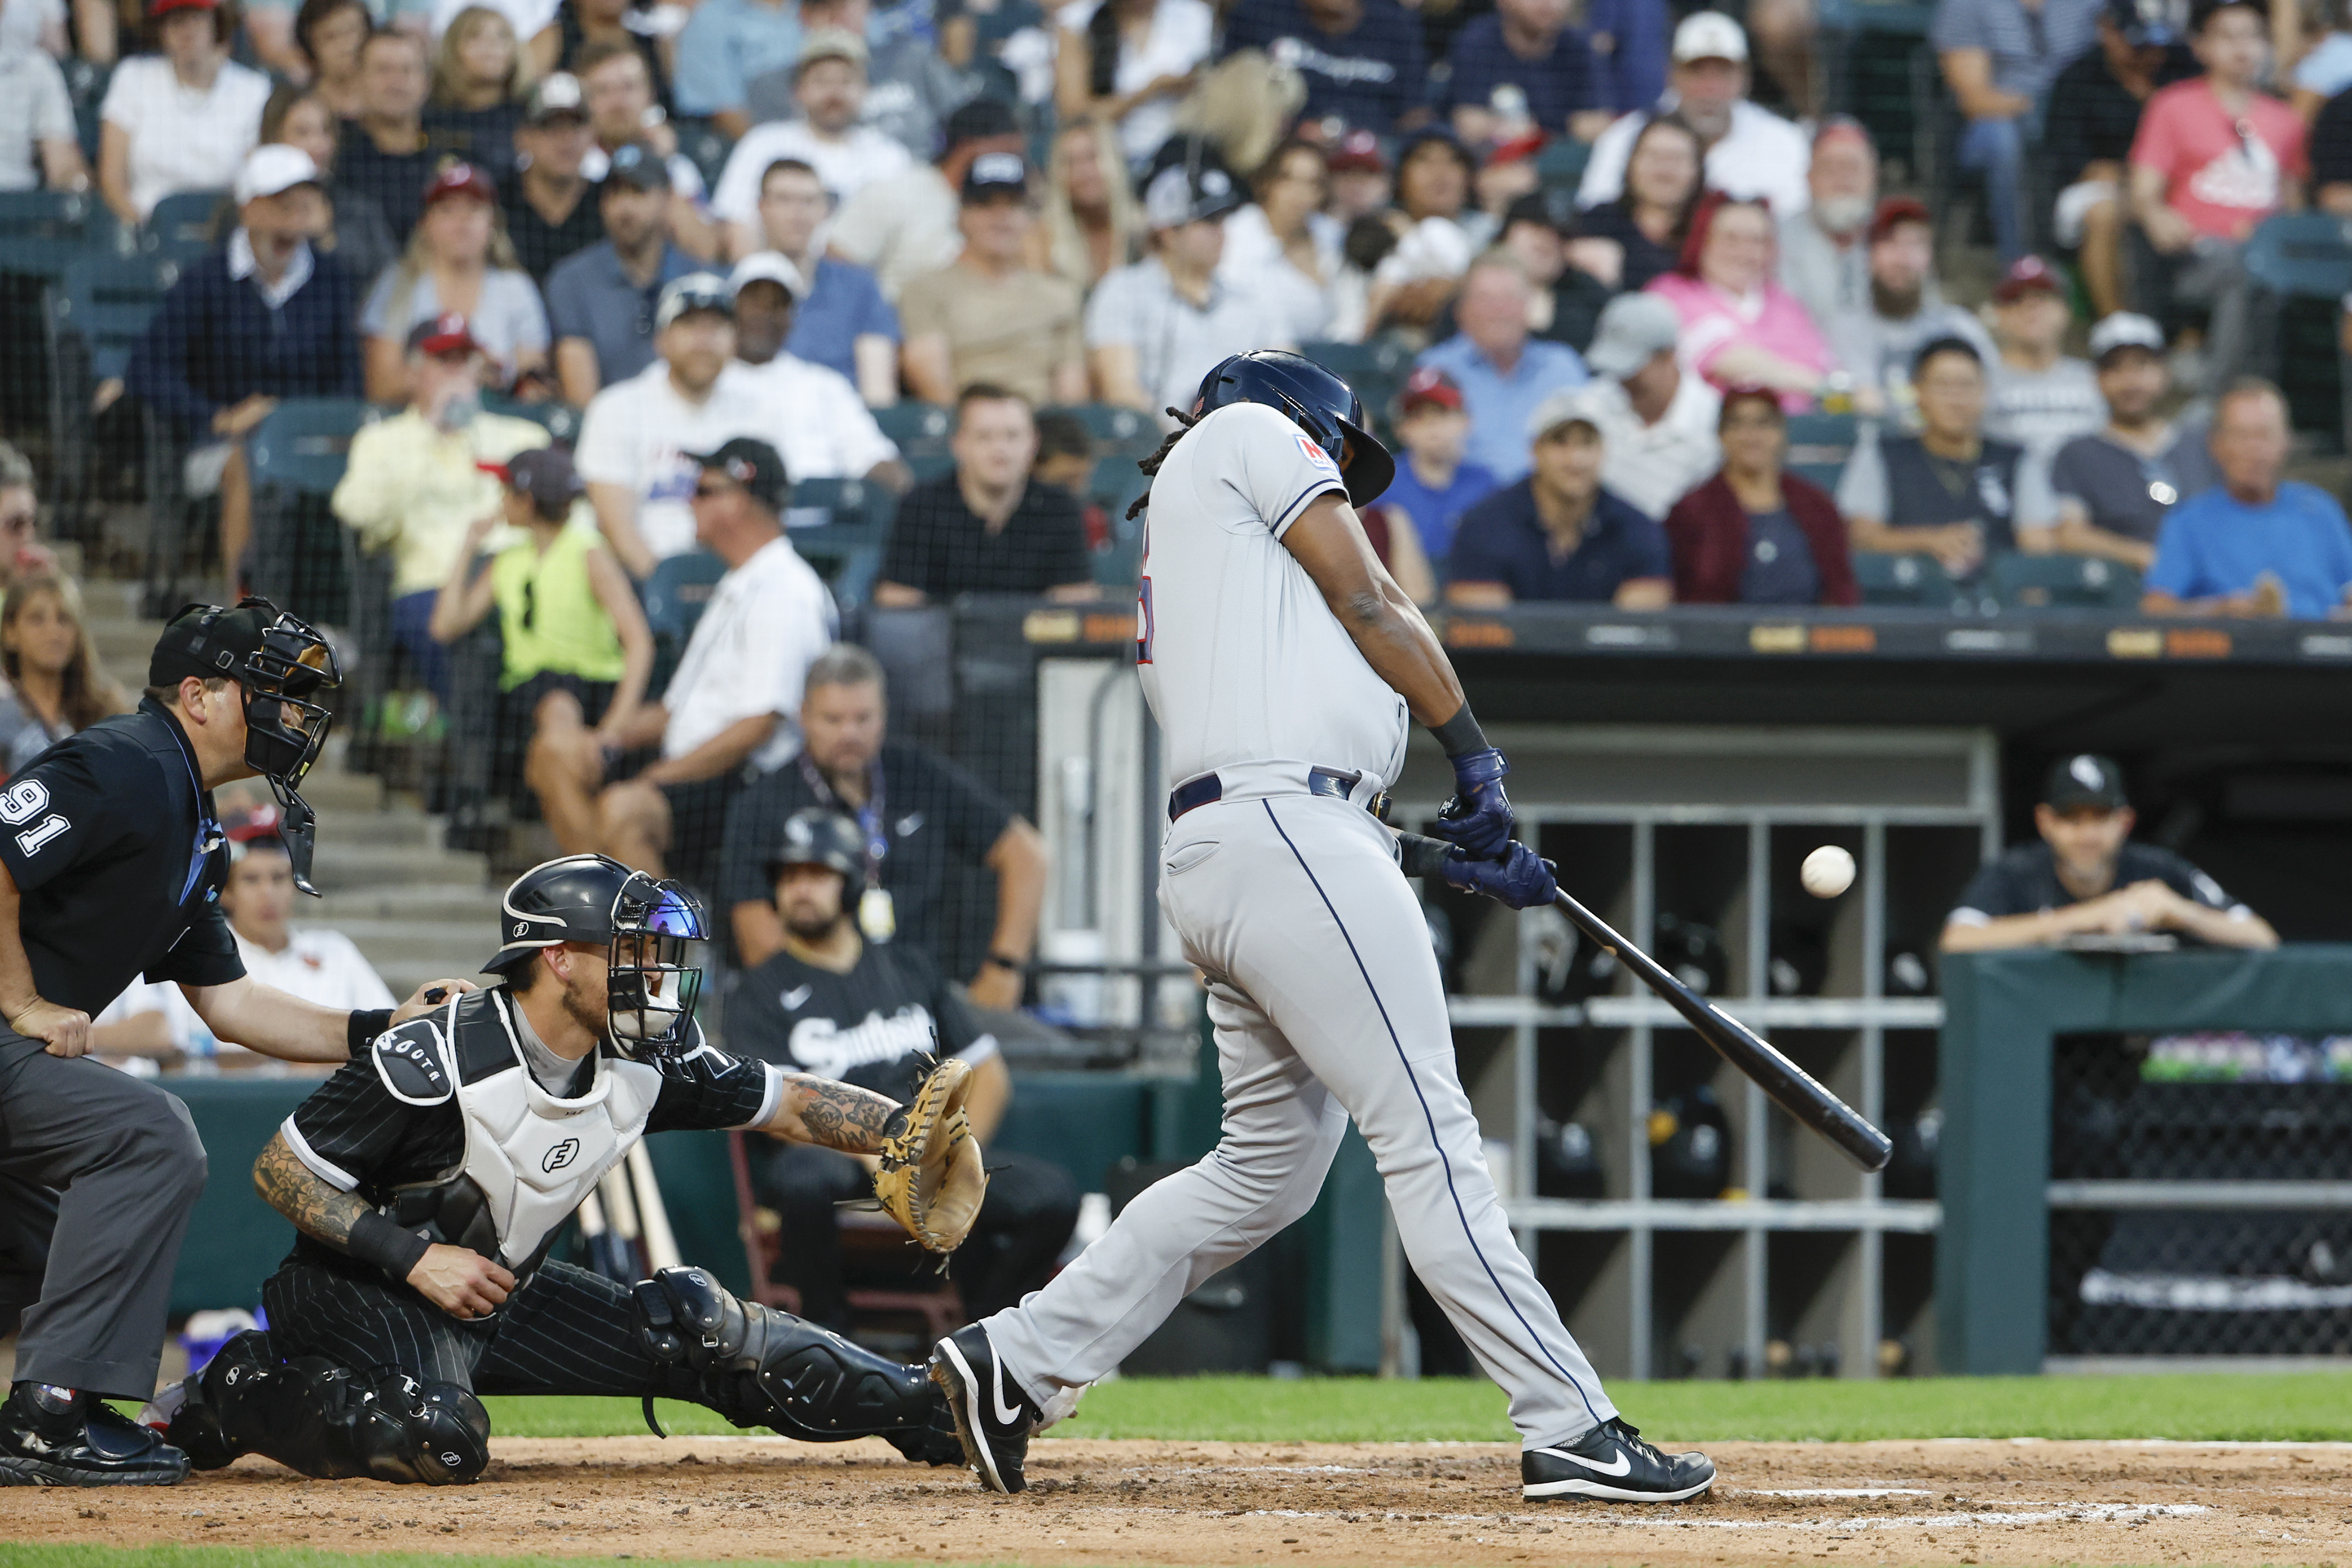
x=94, y=318
x=1375, y=369
x=185, y=225
x=705, y=145
x=675, y=597
x=297, y=457
x=561, y=419
x=920, y=432
x=1919, y=580
x=1819, y=445
x=2067, y=582
x=839, y=526
x=2303, y=255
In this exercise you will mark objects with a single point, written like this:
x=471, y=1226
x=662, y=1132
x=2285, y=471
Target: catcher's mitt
x=930, y=1180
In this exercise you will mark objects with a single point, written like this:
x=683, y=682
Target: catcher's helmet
x=1318, y=402
x=820, y=838
x=645, y=925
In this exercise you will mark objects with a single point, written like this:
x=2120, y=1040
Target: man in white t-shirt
x=636, y=433
x=829, y=85
x=733, y=708
x=822, y=427
x=1750, y=151
x=179, y=120
x=1656, y=419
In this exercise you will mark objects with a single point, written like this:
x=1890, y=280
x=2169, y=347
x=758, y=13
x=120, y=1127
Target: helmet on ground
x=816, y=837
x=1314, y=399
x=645, y=925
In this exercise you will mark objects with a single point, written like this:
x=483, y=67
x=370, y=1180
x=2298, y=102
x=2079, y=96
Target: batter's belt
x=1337, y=783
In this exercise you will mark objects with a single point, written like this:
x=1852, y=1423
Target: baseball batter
x=1283, y=665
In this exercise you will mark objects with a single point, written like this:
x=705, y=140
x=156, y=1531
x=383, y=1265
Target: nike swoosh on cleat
x=1623, y=1465
x=1004, y=1416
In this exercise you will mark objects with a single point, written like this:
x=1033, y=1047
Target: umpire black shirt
x=101, y=835
x=873, y=1027
x=2024, y=881
x=943, y=547
x=935, y=818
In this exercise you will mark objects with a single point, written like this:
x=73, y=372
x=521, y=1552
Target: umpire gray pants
x=98, y=1173
x=1328, y=1004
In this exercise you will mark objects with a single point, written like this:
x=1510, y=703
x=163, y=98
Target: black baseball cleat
x=1612, y=1462
x=995, y=1429
x=62, y=1438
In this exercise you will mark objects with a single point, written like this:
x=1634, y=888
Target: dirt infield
x=1155, y=1502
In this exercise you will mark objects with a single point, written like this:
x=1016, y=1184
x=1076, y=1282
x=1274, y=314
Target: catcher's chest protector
x=533, y=1154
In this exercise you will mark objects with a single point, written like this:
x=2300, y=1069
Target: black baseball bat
x=1790, y=1087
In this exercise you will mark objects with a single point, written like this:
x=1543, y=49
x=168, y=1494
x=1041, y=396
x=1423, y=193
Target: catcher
x=429, y=1177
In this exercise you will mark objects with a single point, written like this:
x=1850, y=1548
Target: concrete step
x=389, y=942
x=462, y=905
x=403, y=976
x=367, y=865
x=400, y=828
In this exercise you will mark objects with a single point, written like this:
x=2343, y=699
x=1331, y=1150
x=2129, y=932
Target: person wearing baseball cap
x=1750, y=150
x=597, y=300
x=1156, y=327
x=1361, y=185
x=2085, y=883
x=2040, y=396
x=413, y=486
x=827, y=432
x=1906, y=310
x=727, y=710
x=1824, y=255
x=180, y=119
x=827, y=132
x=1557, y=534
x=264, y=317
x=901, y=227
x=460, y=246
x=572, y=635
x=989, y=316
x=1435, y=483
x=1657, y=420
x=2116, y=485
x=551, y=204
x=2088, y=127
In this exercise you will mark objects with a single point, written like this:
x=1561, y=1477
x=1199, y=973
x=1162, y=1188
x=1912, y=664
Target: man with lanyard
x=834, y=1006
x=112, y=859
x=926, y=825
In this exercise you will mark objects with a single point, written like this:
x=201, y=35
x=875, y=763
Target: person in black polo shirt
x=552, y=212
x=985, y=528
x=112, y=860
x=2086, y=878
x=387, y=155
x=831, y=1003
x=925, y=819
x=1557, y=534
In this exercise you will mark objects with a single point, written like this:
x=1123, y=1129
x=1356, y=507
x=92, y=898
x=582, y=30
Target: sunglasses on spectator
x=706, y=489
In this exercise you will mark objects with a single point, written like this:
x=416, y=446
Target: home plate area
x=712, y=1498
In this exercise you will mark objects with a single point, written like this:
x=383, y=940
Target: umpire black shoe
x=994, y=1428
x=61, y=1437
x=1612, y=1462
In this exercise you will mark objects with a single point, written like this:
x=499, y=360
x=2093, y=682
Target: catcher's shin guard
x=328, y=1421
x=760, y=1367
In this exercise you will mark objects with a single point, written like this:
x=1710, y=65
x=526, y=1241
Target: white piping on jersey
x=326, y=1169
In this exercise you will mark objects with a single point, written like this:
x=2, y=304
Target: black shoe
x=1611, y=1462
x=59, y=1437
x=995, y=1430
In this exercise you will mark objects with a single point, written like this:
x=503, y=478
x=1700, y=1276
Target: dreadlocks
x=1151, y=465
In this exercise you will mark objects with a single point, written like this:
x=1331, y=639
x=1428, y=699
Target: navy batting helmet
x=1318, y=402
x=820, y=838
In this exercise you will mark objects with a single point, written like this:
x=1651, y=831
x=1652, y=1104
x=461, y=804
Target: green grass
x=2314, y=1407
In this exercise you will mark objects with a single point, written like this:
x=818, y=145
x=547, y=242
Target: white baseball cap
x=1633, y=329
x=768, y=266
x=1570, y=406
x=1709, y=36
x=272, y=171
x=2125, y=329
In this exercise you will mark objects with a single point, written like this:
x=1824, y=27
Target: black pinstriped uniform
x=563, y=1330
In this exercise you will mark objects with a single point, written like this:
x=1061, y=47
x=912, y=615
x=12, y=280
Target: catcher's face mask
x=650, y=989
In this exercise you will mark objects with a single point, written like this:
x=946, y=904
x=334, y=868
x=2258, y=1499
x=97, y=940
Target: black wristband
x=363, y=1026
x=1460, y=735
x=375, y=1239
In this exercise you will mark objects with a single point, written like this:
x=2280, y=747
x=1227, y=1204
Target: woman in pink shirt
x=1740, y=327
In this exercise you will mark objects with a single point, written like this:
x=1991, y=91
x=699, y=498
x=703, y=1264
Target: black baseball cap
x=212, y=643
x=754, y=464
x=639, y=167
x=994, y=174
x=2147, y=24
x=981, y=120
x=2084, y=779
x=547, y=475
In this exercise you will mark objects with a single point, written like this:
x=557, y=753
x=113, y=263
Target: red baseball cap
x=445, y=334
x=161, y=7
x=1896, y=211
x=1516, y=148
x=1430, y=384
x=1356, y=151
x=461, y=180
x=2025, y=275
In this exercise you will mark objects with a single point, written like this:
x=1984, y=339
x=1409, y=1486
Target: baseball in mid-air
x=1828, y=871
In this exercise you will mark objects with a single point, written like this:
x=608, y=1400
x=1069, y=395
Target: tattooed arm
x=458, y=1280
x=837, y=1115
x=298, y=1193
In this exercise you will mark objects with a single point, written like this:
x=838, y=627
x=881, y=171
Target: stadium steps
x=418, y=909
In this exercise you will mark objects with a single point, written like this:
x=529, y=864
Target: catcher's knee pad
x=330, y=1422
x=760, y=1367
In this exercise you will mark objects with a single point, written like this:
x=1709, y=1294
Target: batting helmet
x=1318, y=402
x=820, y=838
x=645, y=926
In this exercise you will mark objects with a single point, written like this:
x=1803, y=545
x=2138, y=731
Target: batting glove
x=1519, y=879
x=1478, y=818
